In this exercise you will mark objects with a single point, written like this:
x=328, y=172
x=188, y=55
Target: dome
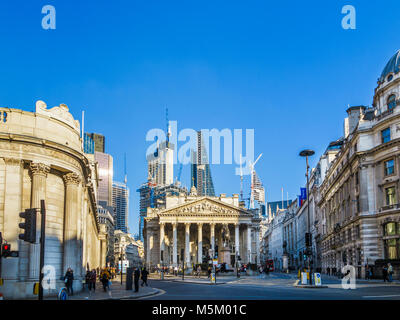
x=393, y=66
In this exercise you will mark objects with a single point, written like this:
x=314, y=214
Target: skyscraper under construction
x=201, y=172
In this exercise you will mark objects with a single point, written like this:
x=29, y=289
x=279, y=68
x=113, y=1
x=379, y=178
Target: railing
x=390, y=207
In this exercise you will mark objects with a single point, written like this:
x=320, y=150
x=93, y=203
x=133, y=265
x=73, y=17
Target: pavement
x=223, y=279
x=117, y=292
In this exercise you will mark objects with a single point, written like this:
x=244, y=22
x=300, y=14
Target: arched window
x=391, y=102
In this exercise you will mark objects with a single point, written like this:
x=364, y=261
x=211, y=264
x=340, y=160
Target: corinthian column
x=175, y=244
x=187, y=244
x=162, y=242
x=39, y=174
x=237, y=239
x=212, y=238
x=71, y=254
x=249, y=243
x=200, y=243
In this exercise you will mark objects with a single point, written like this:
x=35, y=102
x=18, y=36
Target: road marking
x=153, y=295
x=387, y=296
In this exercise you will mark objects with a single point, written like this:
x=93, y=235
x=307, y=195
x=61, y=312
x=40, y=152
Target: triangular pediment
x=205, y=205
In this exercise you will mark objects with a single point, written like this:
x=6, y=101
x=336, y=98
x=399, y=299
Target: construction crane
x=251, y=166
x=241, y=179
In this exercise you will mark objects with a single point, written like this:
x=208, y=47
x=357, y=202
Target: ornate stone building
x=41, y=157
x=360, y=193
x=198, y=227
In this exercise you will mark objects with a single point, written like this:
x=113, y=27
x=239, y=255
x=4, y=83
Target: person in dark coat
x=136, y=277
x=69, y=279
x=144, y=276
x=92, y=280
x=385, y=274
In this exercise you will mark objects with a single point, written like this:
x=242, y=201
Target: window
x=392, y=248
x=355, y=147
x=390, y=77
x=391, y=102
x=390, y=229
x=385, y=135
x=389, y=167
x=390, y=196
x=358, y=232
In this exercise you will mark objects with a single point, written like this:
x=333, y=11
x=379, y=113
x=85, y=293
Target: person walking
x=198, y=271
x=87, y=279
x=136, y=276
x=92, y=280
x=105, y=278
x=390, y=272
x=385, y=273
x=144, y=276
x=69, y=279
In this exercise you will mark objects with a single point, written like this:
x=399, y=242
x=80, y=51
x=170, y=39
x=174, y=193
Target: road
x=272, y=287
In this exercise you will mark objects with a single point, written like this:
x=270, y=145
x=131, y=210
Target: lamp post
x=307, y=153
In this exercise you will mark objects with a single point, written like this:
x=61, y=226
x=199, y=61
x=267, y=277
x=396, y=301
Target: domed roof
x=393, y=66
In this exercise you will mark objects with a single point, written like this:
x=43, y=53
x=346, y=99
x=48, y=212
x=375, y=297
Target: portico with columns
x=194, y=227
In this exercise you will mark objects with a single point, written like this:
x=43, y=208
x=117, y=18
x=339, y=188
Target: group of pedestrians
x=387, y=272
x=105, y=277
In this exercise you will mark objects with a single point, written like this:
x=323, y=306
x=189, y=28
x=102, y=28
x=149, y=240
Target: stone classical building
x=360, y=193
x=107, y=227
x=41, y=158
x=127, y=248
x=200, y=228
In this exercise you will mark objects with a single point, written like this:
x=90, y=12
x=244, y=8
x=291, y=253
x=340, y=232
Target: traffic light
x=6, y=250
x=308, y=239
x=29, y=225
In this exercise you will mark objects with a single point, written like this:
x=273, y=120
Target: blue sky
x=286, y=69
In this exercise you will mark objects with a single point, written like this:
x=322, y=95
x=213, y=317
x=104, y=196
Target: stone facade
x=41, y=157
x=199, y=226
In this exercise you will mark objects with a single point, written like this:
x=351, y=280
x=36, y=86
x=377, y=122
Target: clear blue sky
x=284, y=68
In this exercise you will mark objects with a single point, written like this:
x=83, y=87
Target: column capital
x=200, y=224
x=39, y=168
x=12, y=161
x=187, y=225
x=71, y=178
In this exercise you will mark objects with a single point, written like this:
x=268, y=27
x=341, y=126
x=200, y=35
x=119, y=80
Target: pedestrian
x=144, y=276
x=385, y=273
x=87, y=278
x=328, y=271
x=69, y=279
x=105, y=278
x=136, y=276
x=198, y=271
x=176, y=270
x=209, y=271
x=92, y=280
x=390, y=272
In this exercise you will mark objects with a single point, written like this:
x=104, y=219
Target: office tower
x=161, y=164
x=105, y=174
x=99, y=141
x=120, y=202
x=88, y=144
x=201, y=172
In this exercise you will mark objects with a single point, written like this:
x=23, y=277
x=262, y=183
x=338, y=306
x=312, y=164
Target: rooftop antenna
x=126, y=177
x=83, y=128
x=251, y=165
x=241, y=179
x=168, y=128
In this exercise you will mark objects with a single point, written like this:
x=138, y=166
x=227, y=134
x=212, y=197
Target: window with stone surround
x=390, y=193
x=389, y=167
x=391, y=102
x=385, y=134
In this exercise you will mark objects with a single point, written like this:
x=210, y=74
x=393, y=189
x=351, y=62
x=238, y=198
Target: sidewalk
x=194, y=279
x=117, y=292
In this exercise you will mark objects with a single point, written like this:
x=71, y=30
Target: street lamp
x=308, y=153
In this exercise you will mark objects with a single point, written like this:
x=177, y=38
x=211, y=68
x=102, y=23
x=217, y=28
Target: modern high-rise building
x=105, y=174
x=161, y=164
x=155, y=197
x=120, y=202
x=99, y=141
x=201, y=172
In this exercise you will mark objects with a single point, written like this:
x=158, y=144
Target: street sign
x=317, y=279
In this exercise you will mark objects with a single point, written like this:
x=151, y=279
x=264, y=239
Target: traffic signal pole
x=42, y=242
